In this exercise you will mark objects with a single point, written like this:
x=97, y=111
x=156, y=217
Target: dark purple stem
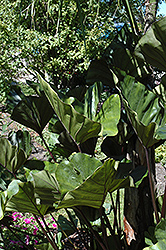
x=164, y=205
x=151, y=186
x=53, y=244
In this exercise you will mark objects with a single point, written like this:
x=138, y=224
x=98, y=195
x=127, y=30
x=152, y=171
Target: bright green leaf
x=109, y=115
x=94, y=189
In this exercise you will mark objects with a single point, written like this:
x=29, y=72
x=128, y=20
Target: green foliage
x=151, y=47
x=52, y=41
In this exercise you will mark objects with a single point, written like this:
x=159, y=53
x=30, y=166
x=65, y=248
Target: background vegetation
x=96, y=72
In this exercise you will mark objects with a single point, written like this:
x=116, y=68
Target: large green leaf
x=92, y=98
x=3, y=200
x=145, y=133
x=144, y=102
x=100, y=72
x=152, y=47
x=71, y=174
x=22, y=140
x=78, y=126
x=161, y=245
x=46, y=188
x=158, y=234
x=120, y=57
x=10, y=157
x=24, y=200
x=33, y=112
x=94, y=189
x=109, y=115
x=144, y=110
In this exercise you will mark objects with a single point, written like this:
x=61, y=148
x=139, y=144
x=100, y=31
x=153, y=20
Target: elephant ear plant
x=128, y=125
x=78, y=182
x=143, y=113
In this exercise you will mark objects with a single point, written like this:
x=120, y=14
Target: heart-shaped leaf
x=33, y=112
x=94, y=189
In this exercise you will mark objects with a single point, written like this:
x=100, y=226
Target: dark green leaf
x=78, y=126
x=24, y=201
x=151, y=47
x=10, y=158
x=34, y=112
x=46, y=188
x=72, y=174
x=92, y=98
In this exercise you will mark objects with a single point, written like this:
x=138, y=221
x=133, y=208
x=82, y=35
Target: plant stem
x=118, y=245
x=95, y=233
x=115, y=213
x=53, y=244
x=164, y=205
x=104, y=233
x=41, y=136
x=151, y=186
x=26, y=246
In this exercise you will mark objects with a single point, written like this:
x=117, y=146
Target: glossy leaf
x=78, y=126
x=22, y=140
x=3, y=200
x=10, y=157
x=109, y=115
x=92, y=98
x=120, y=57
x=25, y=201
x=161, y=245
x=144, y=102
x=71, y=174
x=151, y=47
x=143, y=109
x=93, y=190
x=33, y=112
x=145, y=133
x=46, y=188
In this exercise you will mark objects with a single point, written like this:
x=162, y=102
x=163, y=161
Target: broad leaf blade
x=24, y=200
x=151, y=47
x=144, y=102
x=145, y=133
x=78, y=126
x=109, y=115
x=100, y=72
x=94, y=189
x=72, y=174
x=35, y=113
x=92, y=99
x=46, y=188
x=10, y=158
